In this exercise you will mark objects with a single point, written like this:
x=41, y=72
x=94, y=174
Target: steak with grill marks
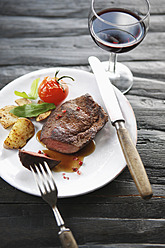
x=73, y=125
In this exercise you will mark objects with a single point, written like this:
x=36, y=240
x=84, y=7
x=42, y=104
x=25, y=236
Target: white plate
x=98, y=169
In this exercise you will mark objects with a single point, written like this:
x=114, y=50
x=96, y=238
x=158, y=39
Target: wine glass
x=118, y=26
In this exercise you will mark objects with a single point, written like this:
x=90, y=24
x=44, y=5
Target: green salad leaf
x=21, y=94
x=32, y=109
x=33, y=93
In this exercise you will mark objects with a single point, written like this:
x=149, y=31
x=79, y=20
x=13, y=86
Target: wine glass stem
x=112, y=63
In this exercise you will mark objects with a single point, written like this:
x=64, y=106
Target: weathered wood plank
x=69, y=8
x=70, y=51
x=149, y=70
x=97, y=206
x=41, y=8
x=19, y=26
x=41, y=27
x=150, y=112
x=150, y=89
x=57, y=51
x=157, y=23
x=84, y=229
x=150, y=144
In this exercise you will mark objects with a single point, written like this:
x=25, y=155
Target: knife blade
x=130, y=152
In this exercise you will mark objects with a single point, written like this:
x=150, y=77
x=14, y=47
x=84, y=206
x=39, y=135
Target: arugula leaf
x=21, y=94
x=33, y=93
x=34, y=88
x=32, y=109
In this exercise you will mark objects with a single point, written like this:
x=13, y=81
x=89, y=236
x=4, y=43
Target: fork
x=46, y=184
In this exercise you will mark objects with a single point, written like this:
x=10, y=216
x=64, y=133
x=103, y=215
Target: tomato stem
x=66, y=77
x=60, y=85
x=56, y=73
x=58, y=79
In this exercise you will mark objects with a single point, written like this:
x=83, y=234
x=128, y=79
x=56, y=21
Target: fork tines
x=43, y=177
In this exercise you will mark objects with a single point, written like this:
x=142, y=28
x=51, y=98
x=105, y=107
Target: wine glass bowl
x=118, y=27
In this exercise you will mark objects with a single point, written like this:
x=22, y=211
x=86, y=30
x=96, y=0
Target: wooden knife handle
x=67, y=239
x=134, y=161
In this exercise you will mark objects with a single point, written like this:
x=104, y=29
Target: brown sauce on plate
x=69, y=162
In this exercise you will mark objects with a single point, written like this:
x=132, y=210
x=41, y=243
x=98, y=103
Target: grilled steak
x=73, y=124
x=30, y=158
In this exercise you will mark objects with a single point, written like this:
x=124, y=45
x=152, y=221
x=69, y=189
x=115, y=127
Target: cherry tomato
x=53, y=90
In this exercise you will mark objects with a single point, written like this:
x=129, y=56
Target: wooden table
x=42, y=34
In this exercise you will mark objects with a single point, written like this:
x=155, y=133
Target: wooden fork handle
x=67, y=239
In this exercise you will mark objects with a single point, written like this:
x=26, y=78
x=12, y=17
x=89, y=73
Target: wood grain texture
x=58, y=51
x=30, y=27
x=53, y=33
x=56, y=8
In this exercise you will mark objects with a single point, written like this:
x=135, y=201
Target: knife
x=130, y=152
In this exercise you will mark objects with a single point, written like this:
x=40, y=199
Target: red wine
x=115, y=38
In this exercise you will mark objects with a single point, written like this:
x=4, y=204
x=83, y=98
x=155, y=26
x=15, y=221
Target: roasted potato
x=7, y=119
x=43, y=116
x=22, y=101
x=20, y=133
